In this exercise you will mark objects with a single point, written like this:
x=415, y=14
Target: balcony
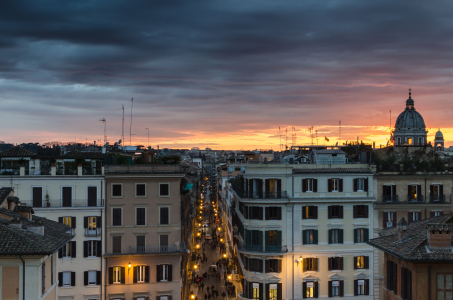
x=415, y=198
x=92, y=232
x=437, y=198
x=157, y=249
x=390, y=198
x=259, y=194
x=262, y=249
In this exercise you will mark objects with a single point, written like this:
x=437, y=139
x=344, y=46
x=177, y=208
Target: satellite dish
x=119, y=142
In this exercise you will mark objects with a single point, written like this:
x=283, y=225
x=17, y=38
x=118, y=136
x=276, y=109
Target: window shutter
x=340, y=236
x=304, y=209
x=329, y=212
x=304, y=290
x=157, y=297
x=85, y=248
x=134, y=276
x=419, y=215
x=315, y=264
x=409, y=217
x=304, y=236
x=266, y=213
x=170, y=273
x=110, y=275
x=123, y=275
x=341, y=184
x=261, y=291
x=250, y=290
x=330, y=263
x=260, y=188
x=341, y=263
x=246, y=263
x=366, y=235
x=315, y=237
x=355, y=262
x=260, y=214
x=315, y=185
x=304, y=185
x=279, y=238
x=98, y=277
x=60, y=252
x=367, y=262
x=330, y=236
x=279, y=188
x=367, y=286
x=315, y=289
x=147, y=274
x=85, y=222
x=341, y=288
x=73, y=249
x=60, y=278
x=73, y=222
x=266, y=266
x=279, y=213
x=304, y=264
x=355, y=187
x=60, y=219
x=354, y=211
x=279, y=263
x=279, y=291
x=72, y=278
x=355, y=235
x=267, y=187
x=266, y=287
x=330, y=284
x=394, y=219
x=366, y=184
x=431, y=214
x=341, y=212
x=395, y=278
x=99, y=248
x=366, y=211
x=356, y=287
x=329, y=185
x=431, y=189
x=246, y=187
x=99, y=222
x=260, y=265
x=85, y=278
x=159, y=273
x=384, y=219
x=409, y=190
x=419, y=191
x=315, y=212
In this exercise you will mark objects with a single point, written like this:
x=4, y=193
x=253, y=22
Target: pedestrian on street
x=205, y=296
x=223, y=295
x=209, y=296
x=212, y=287
x=207, y=289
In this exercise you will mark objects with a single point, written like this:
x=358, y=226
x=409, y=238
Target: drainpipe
x=429, y=281
x=23, y=277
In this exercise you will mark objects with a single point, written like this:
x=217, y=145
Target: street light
x=224, y=255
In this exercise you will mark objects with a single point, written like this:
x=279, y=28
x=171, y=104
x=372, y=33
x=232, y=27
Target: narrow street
x=210, y=268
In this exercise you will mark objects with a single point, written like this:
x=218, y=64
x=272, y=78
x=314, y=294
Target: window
x=117, y=274
x=37, y=196
x=310, y=264
x=361, y=235
x=91, y=277
x=92, y=250
x=437, y=192
x=389, y=193
x=361, y=287
x=310, y=289
x=273, y=291
x=140, y=273
x=392, y=276
x=256, y=265
x=444, y=286
x=67, y=221
x=255, y=212
x=361, y=262
x=140, y=243
x=164, y=216
x=310, y=237
x=140, y=190
x=309, y=185
x=117, y=190
x=68, y=250
x=66, y=278
x=335, y=185
x=309, y=212
x=436, y=213
x=141, y=215
x=273, y=213
x=273, y=238
x=273, y=265
x=360, y=211
x=360, y=184
x=335, y=263
x=164, y=189
x=117, y=218
x=163, y=241
x=335, y=288
x=256, y=291
x=164, y=272
x=91, y=223
x=336, y=236
x=335, y=212
x=92, y=195
x=414, y=216
x=116, y=244
x=389, y=219
x=414, y=192
x=406, y=285
x=66, y=192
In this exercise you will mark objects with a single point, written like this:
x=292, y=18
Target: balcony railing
x=390, y=198
x=259, y=194
x=92, y=232
x=414, y=199
x=262, y=249
x=157, y=249
x=437, y=198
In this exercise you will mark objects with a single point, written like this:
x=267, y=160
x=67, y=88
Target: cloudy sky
x=222, y=74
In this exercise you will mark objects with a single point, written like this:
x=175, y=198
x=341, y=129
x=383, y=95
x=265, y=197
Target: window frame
x=160, y=215
x=95, y=275
x=169, y=192
x=335, y=185
x=141, y=270
x=444, y=290
x=146, y=190
x=136, y=216
x=94, y=248
x=360, y=233
x=67, y=251
x=121, y=219
x=117, y=274
x=360, y=184
x=63, y=276
x=111, y=190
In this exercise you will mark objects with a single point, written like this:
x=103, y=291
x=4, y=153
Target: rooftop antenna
x=316, y=137
x=390, y=127
x=280, y=135
x=339, y=134
x=293, y=136
x=122, y=129
x=130, y=129
x=310, y=129
x=103, y=120
x=286, y=139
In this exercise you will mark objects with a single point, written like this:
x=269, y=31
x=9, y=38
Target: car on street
x=207, y=237
x=205, y=225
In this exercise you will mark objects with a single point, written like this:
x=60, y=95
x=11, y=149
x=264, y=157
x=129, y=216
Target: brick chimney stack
x=439, y=236
x=402, y=227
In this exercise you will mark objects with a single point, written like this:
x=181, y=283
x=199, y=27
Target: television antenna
x=103, y=120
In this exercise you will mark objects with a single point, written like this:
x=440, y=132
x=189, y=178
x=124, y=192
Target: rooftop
x=414, y=241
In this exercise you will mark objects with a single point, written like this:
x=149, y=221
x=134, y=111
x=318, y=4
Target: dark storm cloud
x=231, y=64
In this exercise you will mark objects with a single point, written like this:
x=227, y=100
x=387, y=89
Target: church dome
x=410, y=118
x=439, y=135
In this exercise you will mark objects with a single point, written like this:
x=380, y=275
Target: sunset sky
x=222, y=74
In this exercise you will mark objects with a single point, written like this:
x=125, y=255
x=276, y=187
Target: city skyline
x=222, y=75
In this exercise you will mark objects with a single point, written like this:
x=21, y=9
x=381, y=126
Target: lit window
x=360, y=262
x=116, y=274
x=335, y=185
x=272, y=292
x=310, y=291
x=67, y=250
x=140, y=273
x=67, y=221
x=256, y=291
x=360, y=287
x=91, y=223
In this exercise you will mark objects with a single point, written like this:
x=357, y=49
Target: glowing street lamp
x=229, y=277
x=198, y=246
x=224, y=255
x=221, y=240
x=218, y=228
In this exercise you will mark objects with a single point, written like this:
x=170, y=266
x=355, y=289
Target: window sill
x=66, y=287
x=164, y=196
x=66, y=258
x=116, y=197
x=92, y=286
x=92, y=257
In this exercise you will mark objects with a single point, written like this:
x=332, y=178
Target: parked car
x=207, y=237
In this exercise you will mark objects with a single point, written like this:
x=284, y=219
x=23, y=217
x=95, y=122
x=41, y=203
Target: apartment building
x=303, y=231
x=28, y=251
x=144, y=246
x=68, y=190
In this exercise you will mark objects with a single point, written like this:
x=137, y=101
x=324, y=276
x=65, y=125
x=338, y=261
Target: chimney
x=22, y=170
x=439, y=236
x=402, y=227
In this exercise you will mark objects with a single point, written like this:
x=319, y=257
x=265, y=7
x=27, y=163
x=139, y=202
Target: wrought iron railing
x=390, y=198
x=414, y=198
x=157, y=249
x=437, y=198
x=262, y=248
